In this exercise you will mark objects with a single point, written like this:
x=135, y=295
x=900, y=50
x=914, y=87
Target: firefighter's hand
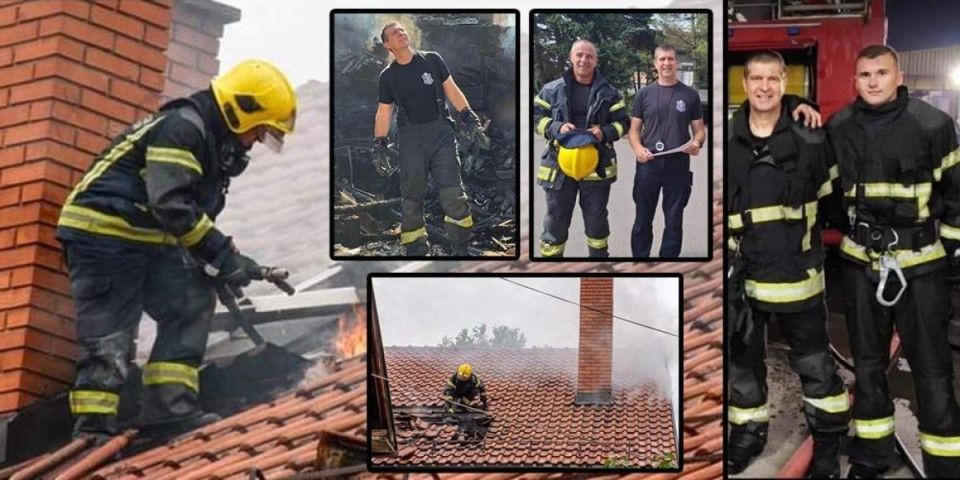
x=238, y=270
x=644, y=155
x=566, y=127
x=693, y=149
x=596, y=133
x=808, y=116
x=474, y=128
x=381, y=159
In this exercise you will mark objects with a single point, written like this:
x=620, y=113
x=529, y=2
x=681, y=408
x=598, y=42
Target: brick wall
x=73, y=75
x=194, y=45
x=594, y=377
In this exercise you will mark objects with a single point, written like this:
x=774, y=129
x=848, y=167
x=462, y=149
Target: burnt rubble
x=366, y=205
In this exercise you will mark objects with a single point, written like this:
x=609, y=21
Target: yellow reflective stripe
x=119, y=150
x=951, y=160
x=617, y=106
x=774, y=213
x=465, y=222
x=740, y=416
x=162, y=373
x=597, y=243
x=826, y=188
x=547, y=174
x=892, y=190
x=198, y=231
x=835, y=404
x=874, y=429
x=93, y=401
x=176, y=156
x=811, y=222
x=539, y=101
x=410, y=237
x=834, y=172
x=82, y=218
x=548, y=250
x=785, y=292
x=610, y=171
x=949, y=231
x=735, y=221
x=542, y=126
x=450, y=384
x=732, y=244
x=905, y=258
x=618, y=128
x=940, y=446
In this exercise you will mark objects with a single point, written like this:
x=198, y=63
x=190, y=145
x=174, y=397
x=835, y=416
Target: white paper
x=675, y=150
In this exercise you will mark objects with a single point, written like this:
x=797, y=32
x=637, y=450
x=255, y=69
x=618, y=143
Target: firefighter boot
x=745, y=443
x=864, y=471
x=826, y=448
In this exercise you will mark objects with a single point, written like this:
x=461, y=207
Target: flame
x=352, y=339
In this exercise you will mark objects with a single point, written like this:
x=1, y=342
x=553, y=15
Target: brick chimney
x=595, y=356
x=73, y=74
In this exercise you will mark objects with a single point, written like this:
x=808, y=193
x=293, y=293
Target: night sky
x=920, y=24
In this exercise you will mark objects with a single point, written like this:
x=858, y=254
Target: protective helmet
x=464, y=372
x=256, y=93
x=578, y=155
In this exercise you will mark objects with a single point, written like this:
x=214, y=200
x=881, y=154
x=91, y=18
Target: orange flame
x=352, y=339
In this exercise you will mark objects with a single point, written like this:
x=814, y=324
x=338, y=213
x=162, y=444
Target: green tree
x=688, y=33
x=502, y=337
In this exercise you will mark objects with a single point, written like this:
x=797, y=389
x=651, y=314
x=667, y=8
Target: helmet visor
x=272, y=138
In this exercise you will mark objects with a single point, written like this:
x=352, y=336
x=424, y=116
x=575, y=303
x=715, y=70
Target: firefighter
x=568, y=111
x=138, y=235
x=779, y=171
x=420, y=83
x=901, y=193
x=463, y=387
x=666, y=112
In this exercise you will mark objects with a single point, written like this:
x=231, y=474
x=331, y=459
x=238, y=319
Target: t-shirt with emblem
x=414, y=86
x=666, y=112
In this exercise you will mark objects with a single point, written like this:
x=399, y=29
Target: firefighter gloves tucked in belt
x=381, y=159
x=473, y=127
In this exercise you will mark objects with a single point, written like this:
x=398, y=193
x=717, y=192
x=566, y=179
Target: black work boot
x=865, y=471
x=826, y=448
x=744, y=444
x=459, y=250
x=598, y=253
x=419, y=248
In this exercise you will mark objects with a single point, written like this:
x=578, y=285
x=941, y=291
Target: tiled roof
x=536, y=422
x=278, y=438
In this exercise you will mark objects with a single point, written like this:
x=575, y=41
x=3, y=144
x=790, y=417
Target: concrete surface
x=696, y=227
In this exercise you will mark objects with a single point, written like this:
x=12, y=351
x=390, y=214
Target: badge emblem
x=427, y=78
x=681, y=107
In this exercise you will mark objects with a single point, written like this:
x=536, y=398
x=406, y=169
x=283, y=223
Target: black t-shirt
x=666, y=113
x=414, y=86
x=580, y=103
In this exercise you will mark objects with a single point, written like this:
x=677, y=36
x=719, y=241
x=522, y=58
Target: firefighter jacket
x=606, y=109
x=161, y=182
x=898, y=175
x=457, y=389
x=772, y=203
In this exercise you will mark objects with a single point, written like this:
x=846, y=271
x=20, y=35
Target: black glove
x=381, y=159
x=474, y=128
x=237, y=270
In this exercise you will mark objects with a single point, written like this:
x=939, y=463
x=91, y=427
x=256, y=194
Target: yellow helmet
x=578, y=155
x=255, y=93
x=464, y=372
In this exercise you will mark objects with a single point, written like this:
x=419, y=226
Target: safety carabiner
x=889, y=262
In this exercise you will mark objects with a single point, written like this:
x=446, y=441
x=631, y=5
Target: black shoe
x=741, y=452
x=864, y=471
x=826, y=449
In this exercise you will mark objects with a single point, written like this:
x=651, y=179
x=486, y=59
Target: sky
x=295, y=35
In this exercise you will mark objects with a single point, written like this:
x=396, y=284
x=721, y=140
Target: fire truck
x=819, y=40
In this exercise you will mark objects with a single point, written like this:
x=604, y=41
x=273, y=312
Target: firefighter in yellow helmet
x=579, y=105
x=139, y=235
x=462, y=388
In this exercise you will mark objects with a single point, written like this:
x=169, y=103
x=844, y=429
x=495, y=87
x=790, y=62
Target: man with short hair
x=420, y=84
x=663, y=115
x=778, y=171
x=580, y=115
x=898, y=162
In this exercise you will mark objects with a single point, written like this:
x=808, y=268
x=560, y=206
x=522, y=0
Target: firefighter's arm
x=698, y=137
x=636, y=126
x=543, y=121
x=382, y=122
x=946, y=176
x=826, y=176
x=482, y=390
x=619, y=121
x=450, y=395
x=803, y=110
x=454, y=94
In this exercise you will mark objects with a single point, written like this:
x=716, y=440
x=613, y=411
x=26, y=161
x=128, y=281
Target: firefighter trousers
x=670, y=173
x=560, y=205
x=431, y=148
x=825, y=401
x=921, y=318
x=113, y=283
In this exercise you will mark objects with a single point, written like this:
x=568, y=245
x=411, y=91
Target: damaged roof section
x=536, y=422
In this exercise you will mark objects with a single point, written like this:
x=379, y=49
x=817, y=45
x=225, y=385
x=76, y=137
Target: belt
x=881, y=238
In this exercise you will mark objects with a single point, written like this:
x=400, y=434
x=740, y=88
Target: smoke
x=317, y=372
